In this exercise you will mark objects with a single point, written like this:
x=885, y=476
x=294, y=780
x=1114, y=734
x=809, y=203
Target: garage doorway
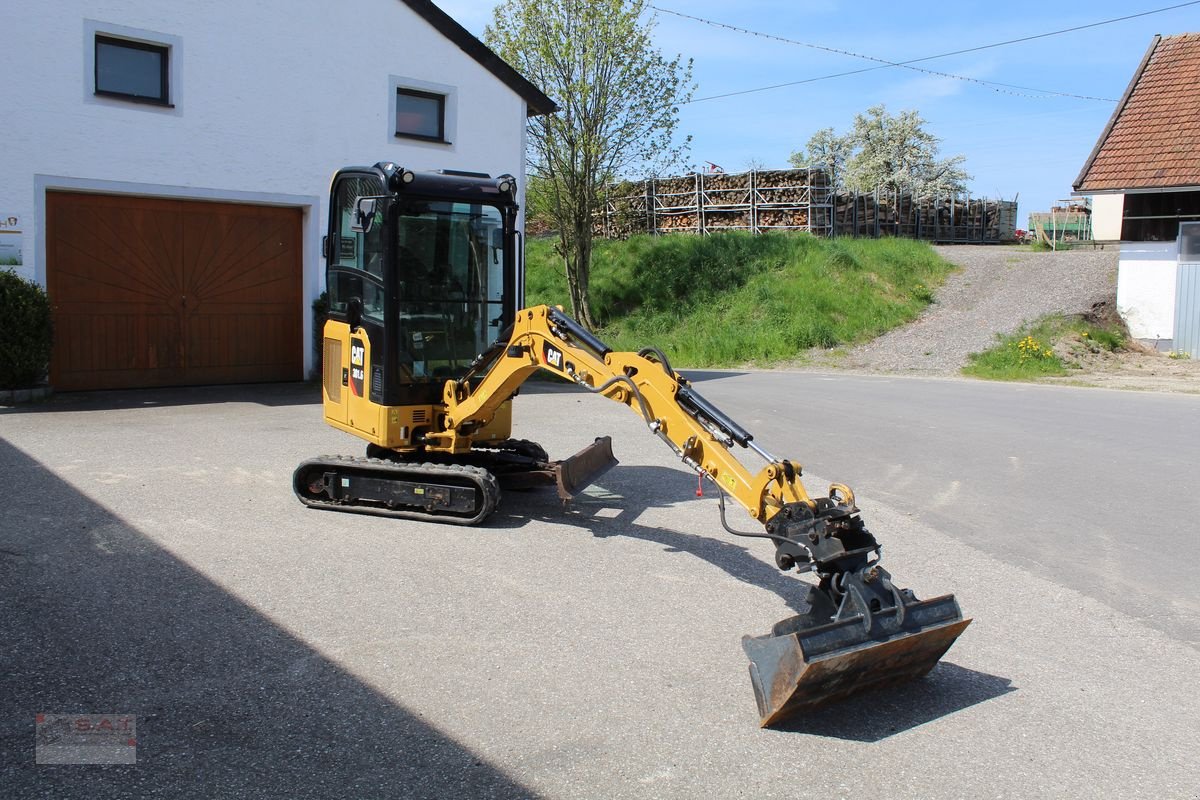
x=164, y=292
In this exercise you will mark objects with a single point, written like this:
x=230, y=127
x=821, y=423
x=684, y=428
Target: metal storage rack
x=798, y=200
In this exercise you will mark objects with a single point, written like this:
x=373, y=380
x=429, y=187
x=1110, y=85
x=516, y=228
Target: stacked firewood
x=704, y=202
x=796, y=199
x=717, y=220
x=682, y=186
x=783, y=218
x=943, y=219
x=625, y=210
x=793, y=187
x=676, y=221
x=725, y=194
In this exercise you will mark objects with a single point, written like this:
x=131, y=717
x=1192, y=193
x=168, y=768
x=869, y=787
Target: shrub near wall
x=26, y=331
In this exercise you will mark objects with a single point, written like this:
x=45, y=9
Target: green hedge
x=26, y=331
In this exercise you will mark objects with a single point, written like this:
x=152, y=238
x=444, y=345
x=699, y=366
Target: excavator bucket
x=797, y=669
x=576, y=473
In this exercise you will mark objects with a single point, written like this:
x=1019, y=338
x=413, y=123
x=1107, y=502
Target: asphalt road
x=154, y=562
x=1096, y=489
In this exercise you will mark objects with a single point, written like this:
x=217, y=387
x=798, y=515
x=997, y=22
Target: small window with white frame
x=132, y=70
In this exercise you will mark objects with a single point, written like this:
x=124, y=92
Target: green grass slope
x=735, y=298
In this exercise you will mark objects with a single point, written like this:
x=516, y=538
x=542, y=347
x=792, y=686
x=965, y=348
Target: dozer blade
x=796, y=671
x=576, y=473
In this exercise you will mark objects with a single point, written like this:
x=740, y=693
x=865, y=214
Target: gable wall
x=270, y=98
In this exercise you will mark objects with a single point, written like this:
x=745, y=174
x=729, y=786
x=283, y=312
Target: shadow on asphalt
x=631, y=490
x=874, y=716
x=263, y=394
x=627, y=492
x=99, y=619
x=702, y=375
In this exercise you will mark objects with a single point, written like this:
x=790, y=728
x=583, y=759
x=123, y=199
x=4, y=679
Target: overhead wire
x=1003, y=88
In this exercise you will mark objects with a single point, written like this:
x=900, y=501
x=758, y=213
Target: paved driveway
x=154, y=562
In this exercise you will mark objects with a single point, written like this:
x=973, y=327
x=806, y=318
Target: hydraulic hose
x=747, y=534
x=660, y=356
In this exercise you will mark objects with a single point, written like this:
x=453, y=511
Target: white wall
x=271, y=97
x=1146, y=289
x=1106, y=217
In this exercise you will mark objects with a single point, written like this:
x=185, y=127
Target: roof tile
x=1153, y=140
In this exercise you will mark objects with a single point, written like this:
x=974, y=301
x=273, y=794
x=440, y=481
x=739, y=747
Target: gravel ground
x=996, y=291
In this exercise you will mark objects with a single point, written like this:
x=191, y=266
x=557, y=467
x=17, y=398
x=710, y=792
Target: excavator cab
x=422, y=277
x=427, y=344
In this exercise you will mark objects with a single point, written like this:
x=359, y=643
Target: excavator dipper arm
x=860, y=630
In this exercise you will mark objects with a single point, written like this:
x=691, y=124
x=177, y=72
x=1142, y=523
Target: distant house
x=165, y=166
x=1144, y=176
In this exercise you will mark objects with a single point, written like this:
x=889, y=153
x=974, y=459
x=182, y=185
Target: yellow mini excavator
x=425, y=348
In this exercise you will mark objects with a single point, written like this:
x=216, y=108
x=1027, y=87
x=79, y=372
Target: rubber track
x=381, y=468
x=520, y=447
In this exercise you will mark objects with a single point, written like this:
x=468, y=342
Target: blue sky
x=1027, y=147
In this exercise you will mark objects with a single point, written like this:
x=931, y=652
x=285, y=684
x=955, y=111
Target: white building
x=1144, y=176
x=165, y=165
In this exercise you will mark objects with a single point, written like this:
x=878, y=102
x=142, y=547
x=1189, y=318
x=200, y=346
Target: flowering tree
x=885, y=151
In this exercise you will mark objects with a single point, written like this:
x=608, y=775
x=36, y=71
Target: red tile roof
x=1153, y=138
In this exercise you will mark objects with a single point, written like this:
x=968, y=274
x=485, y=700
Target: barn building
x=1144, y=176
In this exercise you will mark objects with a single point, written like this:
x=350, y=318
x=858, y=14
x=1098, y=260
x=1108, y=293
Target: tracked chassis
x=461, y=490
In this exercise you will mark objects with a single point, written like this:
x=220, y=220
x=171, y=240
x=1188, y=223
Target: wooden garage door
x=160, y=292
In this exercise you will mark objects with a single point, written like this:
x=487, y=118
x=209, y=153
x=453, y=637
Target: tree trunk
x=578, y=257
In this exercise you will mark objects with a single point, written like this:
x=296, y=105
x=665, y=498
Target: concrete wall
x=270, y=97
x=1146, y=290
x=1106, y=217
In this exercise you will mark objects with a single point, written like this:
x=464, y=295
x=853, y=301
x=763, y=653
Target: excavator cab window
x=450, y=280
x=356, y=257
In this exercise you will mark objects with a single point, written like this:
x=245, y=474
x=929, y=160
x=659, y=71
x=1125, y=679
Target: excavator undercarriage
x=461, y=490
x=438, y=429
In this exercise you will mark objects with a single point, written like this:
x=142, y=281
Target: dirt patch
x=1137, y=367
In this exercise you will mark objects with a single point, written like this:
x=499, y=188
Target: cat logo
x=552, y=356
x=358, y=366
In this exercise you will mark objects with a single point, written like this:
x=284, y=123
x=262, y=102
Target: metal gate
x=1187, y=291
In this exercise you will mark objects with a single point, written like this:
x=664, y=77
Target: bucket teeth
x=805, y=668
